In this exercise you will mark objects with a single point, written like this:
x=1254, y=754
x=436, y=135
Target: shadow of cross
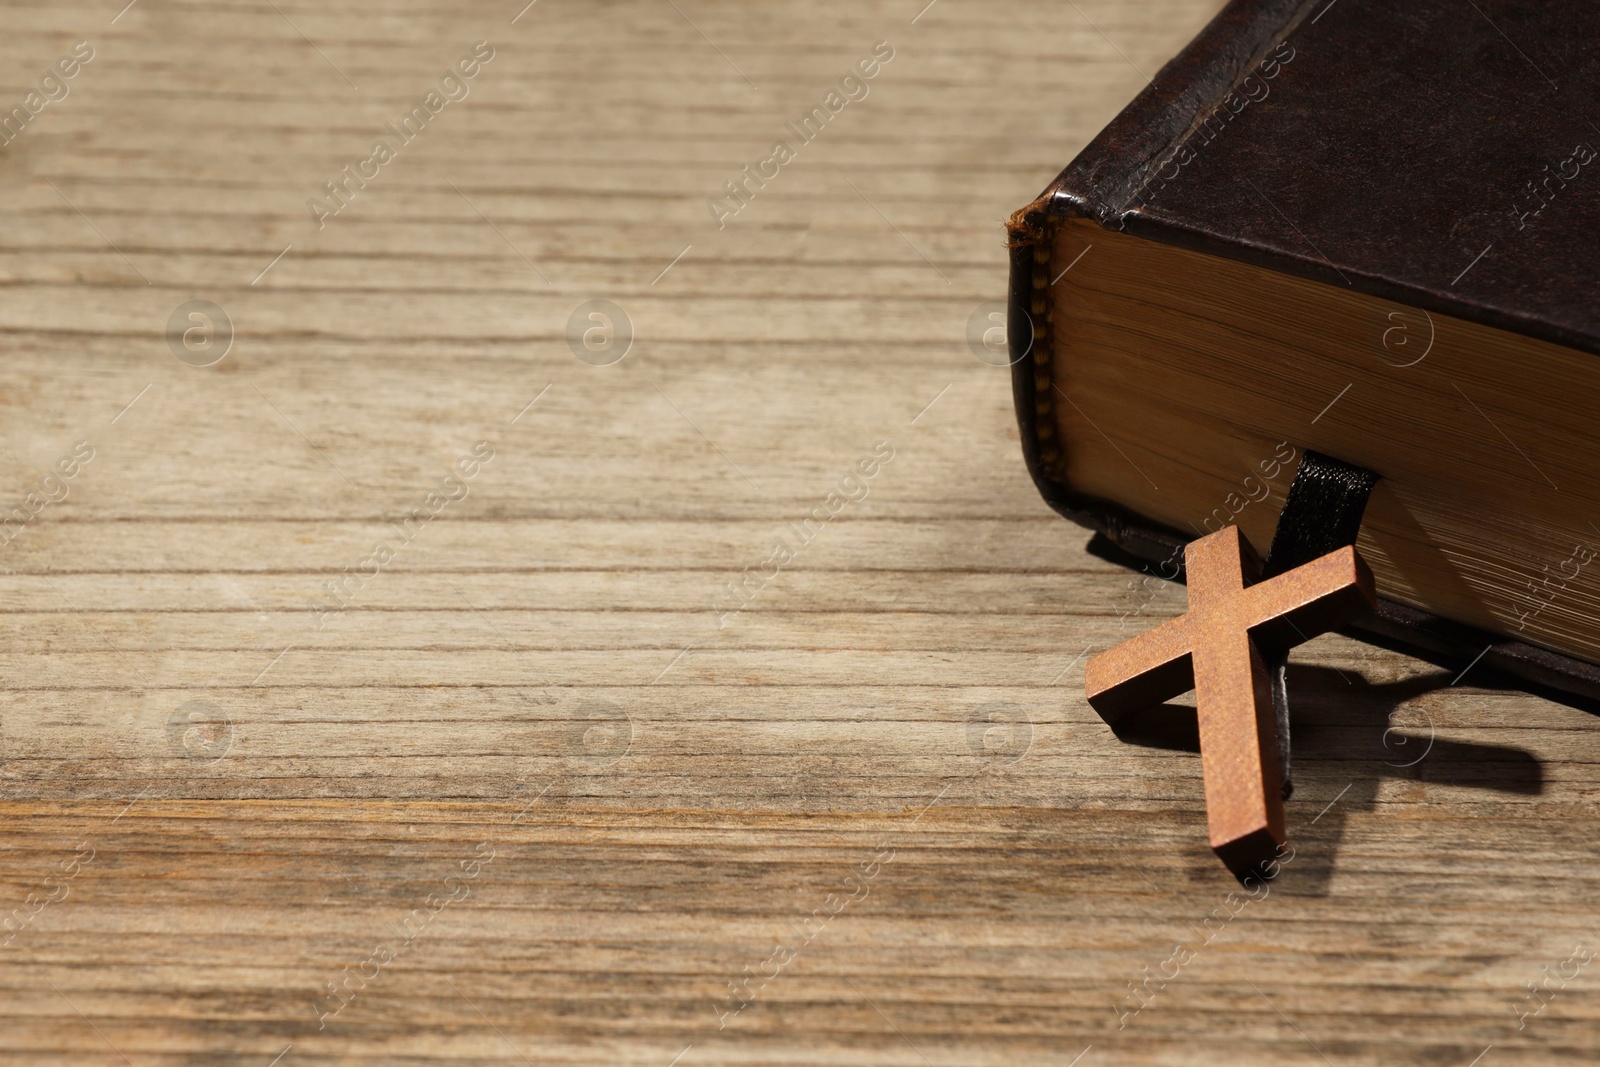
x=1217, y=648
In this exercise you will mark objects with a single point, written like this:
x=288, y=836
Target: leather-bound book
x=1362, y=228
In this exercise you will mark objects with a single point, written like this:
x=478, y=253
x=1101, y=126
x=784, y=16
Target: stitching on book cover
x=1041, y=310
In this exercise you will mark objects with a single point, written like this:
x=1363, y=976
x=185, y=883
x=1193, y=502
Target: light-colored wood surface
x=525, y=783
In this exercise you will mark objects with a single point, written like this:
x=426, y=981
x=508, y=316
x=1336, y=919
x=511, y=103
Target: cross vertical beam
x=1238, y=728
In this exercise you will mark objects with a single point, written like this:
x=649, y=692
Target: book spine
x=1101, y=184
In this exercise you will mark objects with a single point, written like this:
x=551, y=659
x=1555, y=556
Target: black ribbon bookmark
x=1322, y=513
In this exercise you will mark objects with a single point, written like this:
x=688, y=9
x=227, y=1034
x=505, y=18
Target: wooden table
x=521, y=783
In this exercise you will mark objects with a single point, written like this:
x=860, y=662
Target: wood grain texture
x=524, y=799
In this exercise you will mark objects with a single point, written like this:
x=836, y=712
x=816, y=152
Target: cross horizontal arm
x=1145, y=670
x=1322, y=595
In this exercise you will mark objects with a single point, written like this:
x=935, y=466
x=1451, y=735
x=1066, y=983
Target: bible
x=1361, y=229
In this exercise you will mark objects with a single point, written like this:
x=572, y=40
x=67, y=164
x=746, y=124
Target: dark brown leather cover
x=1433, y=153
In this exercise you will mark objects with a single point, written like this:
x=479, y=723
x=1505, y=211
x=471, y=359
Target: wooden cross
x=1217, y=649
